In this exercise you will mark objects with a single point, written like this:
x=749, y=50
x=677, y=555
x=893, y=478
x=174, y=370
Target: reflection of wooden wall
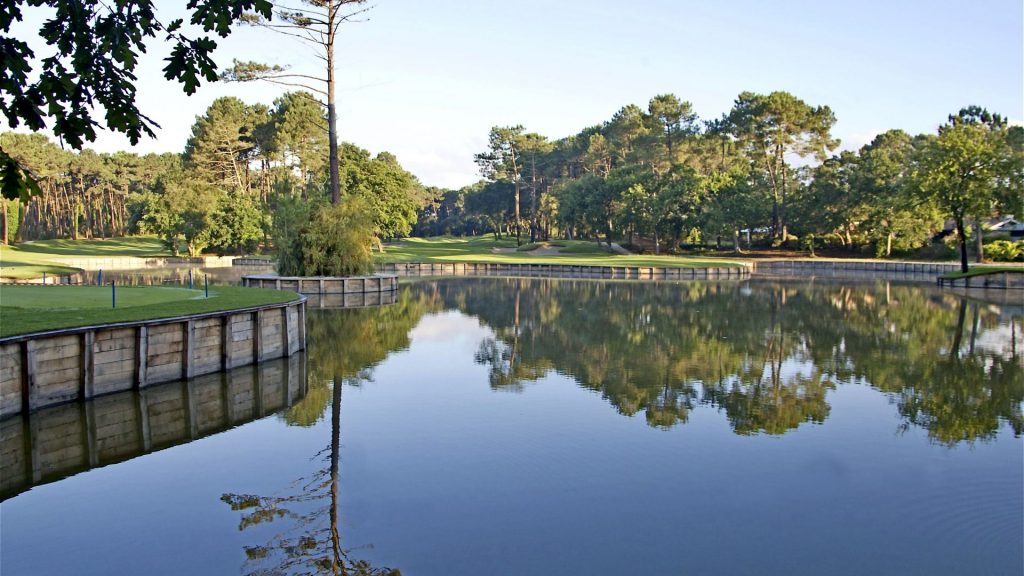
x=56, y=442
x=78, y=364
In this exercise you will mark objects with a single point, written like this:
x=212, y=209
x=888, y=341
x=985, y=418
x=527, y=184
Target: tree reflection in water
x=346, y=346
x=310, y=545
x=766, y=354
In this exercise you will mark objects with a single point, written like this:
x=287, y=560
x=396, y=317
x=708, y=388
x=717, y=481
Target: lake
x=528, y=426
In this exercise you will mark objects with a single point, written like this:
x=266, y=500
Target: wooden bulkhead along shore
x=49, y=368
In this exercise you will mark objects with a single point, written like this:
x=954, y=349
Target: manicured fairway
x=33, y=259
x=982, y=271
x=27, y=309
x=486, y=249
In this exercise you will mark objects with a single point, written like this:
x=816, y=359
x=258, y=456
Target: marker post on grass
x=206, y=284
x=113, y=295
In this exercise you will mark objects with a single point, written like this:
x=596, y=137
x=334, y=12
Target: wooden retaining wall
x=39, y=370
x=377, y=283
x=562, y=271
x=851, y=268
x=358, y=300
x=58, y=441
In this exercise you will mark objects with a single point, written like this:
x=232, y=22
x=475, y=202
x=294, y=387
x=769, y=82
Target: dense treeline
x=245, y=171
x=665, y=176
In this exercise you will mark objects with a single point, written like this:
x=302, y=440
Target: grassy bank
x=27, y=309
x=982, y=271
x=485, y=249
x=33, y=259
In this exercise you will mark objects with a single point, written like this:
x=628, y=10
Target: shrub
x=338, y=241
x=1005, y=251
x=291, y=216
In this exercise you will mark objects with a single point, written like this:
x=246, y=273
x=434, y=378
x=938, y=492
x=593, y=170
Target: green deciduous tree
x=182, y=207
x=969, y=169
x=91, y=71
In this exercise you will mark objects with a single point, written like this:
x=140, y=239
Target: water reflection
x=347, y=345
x=311, y=543
x=173, y=275
x=54, y=443
x=767, y=355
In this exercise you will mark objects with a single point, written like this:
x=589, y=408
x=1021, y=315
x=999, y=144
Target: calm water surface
x=493, y=426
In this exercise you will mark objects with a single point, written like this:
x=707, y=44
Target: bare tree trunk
x=519, y=240
x=332, y=115
x=533, y=199
x=962, y=237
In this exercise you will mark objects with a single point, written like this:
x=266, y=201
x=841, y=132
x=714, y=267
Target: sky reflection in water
x=536, y=427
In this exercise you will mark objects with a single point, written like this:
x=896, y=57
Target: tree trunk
x=533, y=199
x=962, y=237
x=979, y=241
x=519, y=240
x=332, y=116
x=3, y=223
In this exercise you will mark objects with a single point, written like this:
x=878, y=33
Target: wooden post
x=141, y=355
x=188, y=349
x=286, y=345
x=226, y=336
x=302, y=326
x=257, y=336
x=26, y=376
x=85, y=391
x=28, y=363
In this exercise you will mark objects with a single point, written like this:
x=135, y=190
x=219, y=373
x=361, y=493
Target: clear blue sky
x=427, y=80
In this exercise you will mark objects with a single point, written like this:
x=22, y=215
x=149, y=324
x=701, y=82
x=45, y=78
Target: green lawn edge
x=30, y=260
x=62, y=314
x=478, y=250
x=982, y=271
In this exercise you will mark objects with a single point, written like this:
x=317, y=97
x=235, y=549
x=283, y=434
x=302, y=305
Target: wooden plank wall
x=78, y=364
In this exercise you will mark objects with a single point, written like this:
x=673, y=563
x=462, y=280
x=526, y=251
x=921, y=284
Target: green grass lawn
x=982, y=271
x=573, y=252
x=27, y=309
x=141, y=246
x=33, y=259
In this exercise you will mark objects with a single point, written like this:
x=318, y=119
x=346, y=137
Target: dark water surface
x=492, y=426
